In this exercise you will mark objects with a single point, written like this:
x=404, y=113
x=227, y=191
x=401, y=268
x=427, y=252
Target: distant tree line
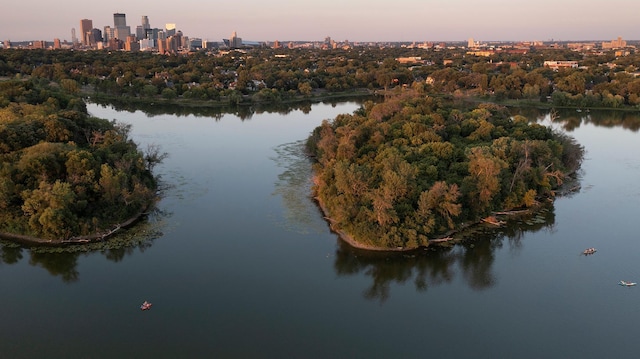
x=412, y=168
x=274, y=75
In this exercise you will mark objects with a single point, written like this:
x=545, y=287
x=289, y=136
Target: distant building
x=173, y=43
x=74, y=38
x=95, y=37
x=85, y=31
x=171, y=29
x=147, y=44
x=144, y=30
x=194, y=44
x=169, y=45
x=581, y=46
x=140, y=32
x=615, y=44
x=620, y=53
x=150, y=34
x=556, y=65
x=122, y=31
x=471, y=43
x=108, y=34
x=57, y=44
x=409, y=60
x=41, y=44
x=115, y=44
x=131, y=44
x=119, y=20
x=145, y=22
x=235, y=42
x=162, y=45
x=482, y=53
x=209, y=45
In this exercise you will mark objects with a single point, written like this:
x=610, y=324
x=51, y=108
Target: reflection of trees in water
x=10, y=253
x=63, y=261
x=472, y=259
x=572, y=119
x=57, y=264
x=625, y=119
x=243, y=111
x=424, y=269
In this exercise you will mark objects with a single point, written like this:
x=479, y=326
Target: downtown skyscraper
x=86, y=26
x=121, y=30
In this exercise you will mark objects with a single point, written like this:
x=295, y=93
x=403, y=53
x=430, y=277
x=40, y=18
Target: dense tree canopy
x=396, y=173
x=64, y=173
x=274, y=75
x=410, y=169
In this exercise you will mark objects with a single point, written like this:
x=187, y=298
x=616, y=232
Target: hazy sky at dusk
x=353, y=20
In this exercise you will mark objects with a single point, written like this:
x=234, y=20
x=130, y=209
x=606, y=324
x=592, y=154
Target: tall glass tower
x=86, y=26
x=145, y=22
x=119, y=20
x=120, y=24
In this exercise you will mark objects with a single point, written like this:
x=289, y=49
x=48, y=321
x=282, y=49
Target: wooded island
x=65, y=176
x=397, y=174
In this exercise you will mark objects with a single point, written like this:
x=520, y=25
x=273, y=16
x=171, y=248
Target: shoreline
x=90, y=238
x=447, y=238
x=347, y=238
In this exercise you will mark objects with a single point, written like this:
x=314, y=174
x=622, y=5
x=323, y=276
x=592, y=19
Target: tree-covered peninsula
x=411, y=169
x=66, y=176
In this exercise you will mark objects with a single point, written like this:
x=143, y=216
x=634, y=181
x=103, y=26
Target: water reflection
x=471, y=259
x=625, y=119
x=244, y=112
x=61, y=265
x=10, y=253
x=571, y=119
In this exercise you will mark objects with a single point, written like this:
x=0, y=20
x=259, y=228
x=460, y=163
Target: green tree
x=443, y=200
x=484, y=171
x=169, y=93
x=50, y=210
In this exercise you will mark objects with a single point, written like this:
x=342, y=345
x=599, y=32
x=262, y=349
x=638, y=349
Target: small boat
x=589, y=251
x=627, y=284
x=145, y=306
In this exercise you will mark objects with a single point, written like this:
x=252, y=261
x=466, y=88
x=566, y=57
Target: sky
x=353, y=20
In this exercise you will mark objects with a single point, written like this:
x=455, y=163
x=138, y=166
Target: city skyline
x=355, y=20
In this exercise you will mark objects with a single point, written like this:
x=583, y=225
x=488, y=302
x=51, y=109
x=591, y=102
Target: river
x=239, y=263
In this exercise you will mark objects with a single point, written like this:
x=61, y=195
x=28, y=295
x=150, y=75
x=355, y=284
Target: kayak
x=627, y=284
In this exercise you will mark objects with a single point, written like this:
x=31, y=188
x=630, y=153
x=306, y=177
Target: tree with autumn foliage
x=413, y=168
x=64, y=173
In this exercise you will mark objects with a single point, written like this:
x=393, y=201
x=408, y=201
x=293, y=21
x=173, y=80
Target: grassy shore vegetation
x=410, y=169
x=64, y=173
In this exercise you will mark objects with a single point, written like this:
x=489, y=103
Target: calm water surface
x=240, y=263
